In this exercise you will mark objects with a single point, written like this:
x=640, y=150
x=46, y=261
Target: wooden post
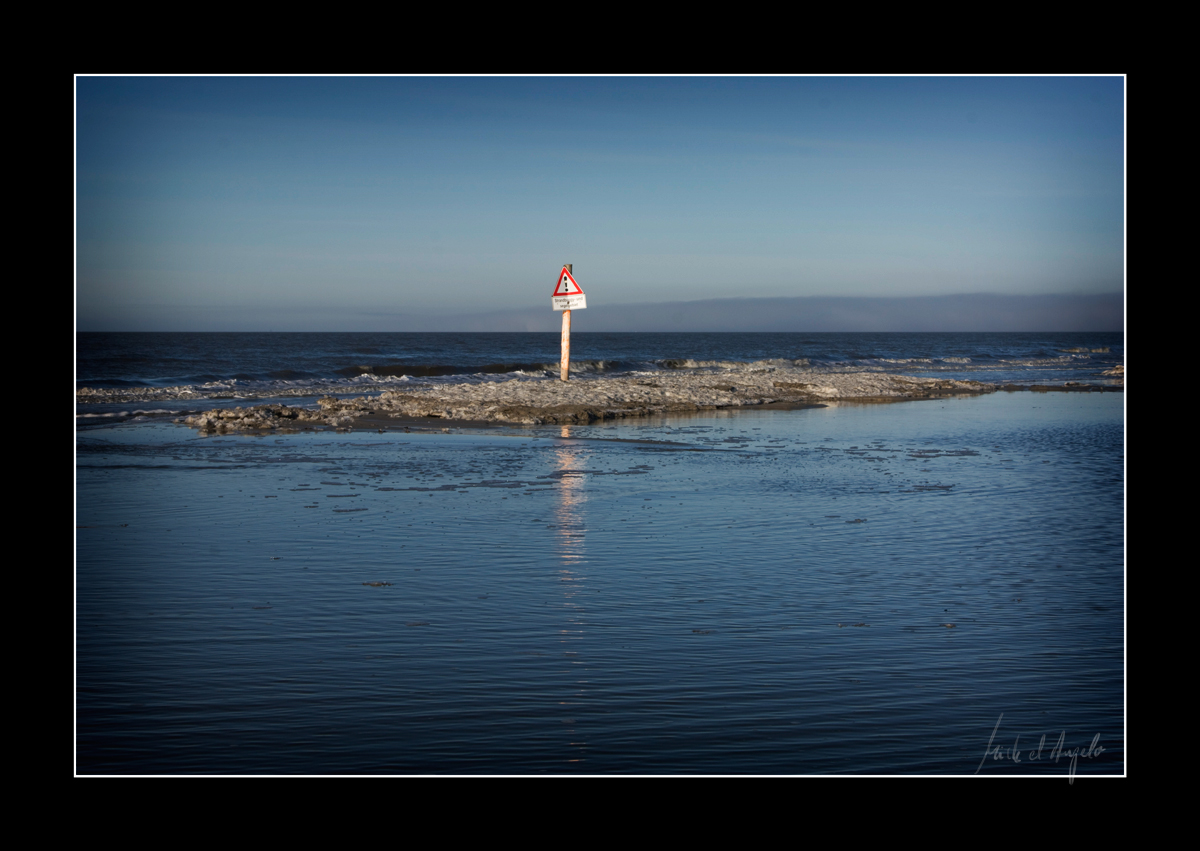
x=565, y=364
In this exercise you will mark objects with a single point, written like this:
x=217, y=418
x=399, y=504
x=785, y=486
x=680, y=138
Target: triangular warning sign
x=566, y=284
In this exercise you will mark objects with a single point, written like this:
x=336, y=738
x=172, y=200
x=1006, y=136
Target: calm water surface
x=855, y=589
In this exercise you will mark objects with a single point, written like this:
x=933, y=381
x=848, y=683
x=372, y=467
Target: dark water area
x=857, y=589
x=128, y=359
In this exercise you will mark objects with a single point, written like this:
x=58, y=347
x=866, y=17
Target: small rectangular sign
x=569, y=302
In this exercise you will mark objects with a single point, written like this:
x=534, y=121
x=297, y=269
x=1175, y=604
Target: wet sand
x=529, y=401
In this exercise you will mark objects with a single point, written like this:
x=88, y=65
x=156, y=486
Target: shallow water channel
x=857, y=589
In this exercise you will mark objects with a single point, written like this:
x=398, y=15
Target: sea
x=929, y=587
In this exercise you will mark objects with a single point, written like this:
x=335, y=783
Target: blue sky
x=354, y=203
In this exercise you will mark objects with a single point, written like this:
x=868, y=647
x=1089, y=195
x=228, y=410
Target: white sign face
x=566, y=284
x=569, y=302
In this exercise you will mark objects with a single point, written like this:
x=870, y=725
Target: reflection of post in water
x=571, y=523
x=571, y=497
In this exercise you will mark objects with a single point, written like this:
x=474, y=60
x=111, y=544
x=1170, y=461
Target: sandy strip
x=532, y=401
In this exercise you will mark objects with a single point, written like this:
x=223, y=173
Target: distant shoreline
x=957, y=313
